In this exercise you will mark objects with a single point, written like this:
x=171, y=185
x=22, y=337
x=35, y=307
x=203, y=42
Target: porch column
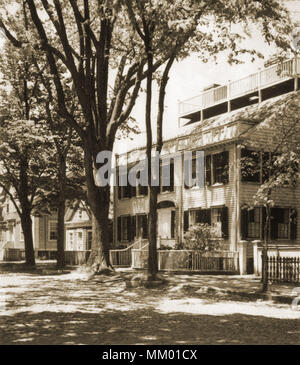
x=242, y=248
x=256, y=256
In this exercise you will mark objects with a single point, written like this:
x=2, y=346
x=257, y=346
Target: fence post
x=256, y=243
x=242, y=248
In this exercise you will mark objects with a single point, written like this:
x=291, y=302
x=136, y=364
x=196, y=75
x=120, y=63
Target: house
x=78, y=226
x=44, y=229
x=216, y=123
x=78, y=232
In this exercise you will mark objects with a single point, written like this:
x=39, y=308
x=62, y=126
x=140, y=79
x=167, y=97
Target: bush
x=201, y=236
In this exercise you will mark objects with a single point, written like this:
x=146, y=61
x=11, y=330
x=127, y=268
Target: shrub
x=201, y=236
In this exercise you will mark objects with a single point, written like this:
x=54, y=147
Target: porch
x=277, y=79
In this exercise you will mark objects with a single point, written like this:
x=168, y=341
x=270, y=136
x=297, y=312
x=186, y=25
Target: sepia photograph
x=149, y=177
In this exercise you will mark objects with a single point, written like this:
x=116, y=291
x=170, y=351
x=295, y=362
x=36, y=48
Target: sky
x=189, y=77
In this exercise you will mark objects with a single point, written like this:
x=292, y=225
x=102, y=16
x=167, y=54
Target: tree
x=33, y=89
x=90, y=39
x=172, y=30
x=279, y=153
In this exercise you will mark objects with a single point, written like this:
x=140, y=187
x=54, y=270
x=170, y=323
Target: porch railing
x=123, y=257
x=284, y=269
x=269, y=76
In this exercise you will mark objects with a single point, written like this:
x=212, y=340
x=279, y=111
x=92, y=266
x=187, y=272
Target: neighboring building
x=216, y=123
x=44, y=229
x=78, y=225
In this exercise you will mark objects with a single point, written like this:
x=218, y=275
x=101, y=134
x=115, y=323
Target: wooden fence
x=283, y=269
x=189, y=260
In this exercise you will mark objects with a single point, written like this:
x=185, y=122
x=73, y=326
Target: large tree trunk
x=152, y=224
x=26, y=223
x=265, y=279
x=99, y=203
x=61, y=214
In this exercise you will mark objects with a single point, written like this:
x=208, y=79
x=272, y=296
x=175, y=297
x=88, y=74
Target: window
x=7, y=208
x=254, y=223
x=124, y=189
x=217, y=217
x=129, y=191
x=280, y=223
x=217, y=168
x=52, y=230
x=167, y=176
x=283, y=223
x=220, y=168
x=142, y=226
x=250, y=165
x=79, y=214
x=89, y=240
x=141, y=190
x=216, y=220
x=71, y=240
x=194, y=178
x=126, y=228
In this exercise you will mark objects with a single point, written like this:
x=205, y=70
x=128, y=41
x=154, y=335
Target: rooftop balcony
x=280, y=78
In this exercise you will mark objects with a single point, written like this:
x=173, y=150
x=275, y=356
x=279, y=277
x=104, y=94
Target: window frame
x=49, y=230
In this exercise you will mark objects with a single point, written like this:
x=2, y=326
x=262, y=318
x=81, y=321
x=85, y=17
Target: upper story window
x=167, y=176
x=250, y=165
x=52, y=230
x=217, y=168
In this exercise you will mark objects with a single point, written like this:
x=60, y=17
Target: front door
x=164, y=223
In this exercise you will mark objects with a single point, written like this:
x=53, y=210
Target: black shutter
x=263, y=221
x=171, y=176
x=207, y=218
x=133, y=227
x=133, y=191
x=119, y=229
x=145, y=226
x=172, y=223
x=225, y=162
x=244, y=224
x=275, y=214
x=224, y=221
x=129, y=232
x=186, y=220
x=293, y=224
x=208, y=170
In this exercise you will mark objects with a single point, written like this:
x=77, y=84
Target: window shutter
x=274, y=223
x=129, y=231
x=133, y=227
x=172, y=223
x=293, y=224
x=263, y=221
x=224, y=220
x=207, y=216
x=208, y=170
x=119, y=228
x=186, y=223
x=172, y=177
x=225, y=161
x=145, y=226
x=133, y=191
x=244, y=224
